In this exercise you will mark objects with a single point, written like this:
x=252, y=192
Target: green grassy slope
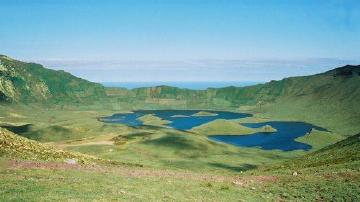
x=30, y=82
x=339, y=82
x=17, y=147
x=329, y=174
x=224, y=127
x=330, y=86
x=344, y=154
x=329, y=99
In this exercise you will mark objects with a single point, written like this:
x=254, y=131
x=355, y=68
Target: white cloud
x=194, y=70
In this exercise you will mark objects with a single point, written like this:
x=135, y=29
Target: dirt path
x=98, y=140
x=139, y=172
x=103, y=142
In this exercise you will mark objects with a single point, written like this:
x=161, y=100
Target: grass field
x=152, y=145
x=335, y=178
x=153, y=162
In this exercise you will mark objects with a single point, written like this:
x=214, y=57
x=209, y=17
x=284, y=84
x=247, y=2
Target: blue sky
x=182, y=40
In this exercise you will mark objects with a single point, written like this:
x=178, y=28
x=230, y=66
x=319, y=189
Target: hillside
x=344, y=154
x=344, y=80
x=328, y=99
x=151, y=162
x=329, y=174
x=17, y=147
x=30, y=82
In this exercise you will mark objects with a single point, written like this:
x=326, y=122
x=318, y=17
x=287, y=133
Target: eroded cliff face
x=17, y=84
x=29, y=82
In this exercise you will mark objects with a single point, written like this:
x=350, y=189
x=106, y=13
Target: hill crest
x=31, y=82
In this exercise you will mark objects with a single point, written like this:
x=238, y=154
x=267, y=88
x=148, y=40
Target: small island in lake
x=179, y=116
x=150, y=119
x=205, y=113
x=267, y=129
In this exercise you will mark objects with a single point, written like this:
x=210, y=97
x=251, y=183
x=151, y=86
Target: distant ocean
x=188, y=85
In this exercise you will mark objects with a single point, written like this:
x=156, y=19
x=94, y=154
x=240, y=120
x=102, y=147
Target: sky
x=182, y=40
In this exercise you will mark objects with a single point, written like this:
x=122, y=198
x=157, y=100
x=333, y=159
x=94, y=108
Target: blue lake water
x=282, y=139
x=186, y=122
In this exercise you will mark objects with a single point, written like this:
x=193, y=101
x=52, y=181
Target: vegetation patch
x=267, y=129
x=151, y=119
x=223, y=127
x=319, y=139
x=120, y=140
x=204, y=113
x=14, y=146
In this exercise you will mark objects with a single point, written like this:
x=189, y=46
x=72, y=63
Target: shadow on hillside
x=135, y=135
x=18, y=129
x=242, y=167
x=176, y=141
x=149, y=127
